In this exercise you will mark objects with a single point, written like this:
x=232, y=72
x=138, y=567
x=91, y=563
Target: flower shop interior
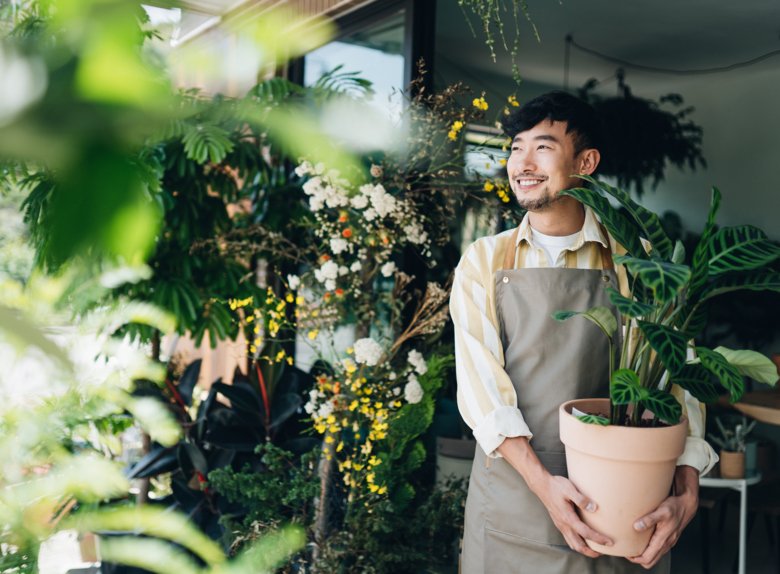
x=228, y=233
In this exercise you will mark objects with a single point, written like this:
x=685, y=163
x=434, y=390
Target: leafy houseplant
x=732, y=443
x=662, y=315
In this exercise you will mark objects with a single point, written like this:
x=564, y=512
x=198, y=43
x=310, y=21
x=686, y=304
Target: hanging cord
x=567, y=55
x=690, y=72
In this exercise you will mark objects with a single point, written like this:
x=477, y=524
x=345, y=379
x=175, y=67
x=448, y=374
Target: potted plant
x=663, y=314
x=732, y=445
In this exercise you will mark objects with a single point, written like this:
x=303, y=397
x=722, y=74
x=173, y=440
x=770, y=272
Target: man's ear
x=589, y=161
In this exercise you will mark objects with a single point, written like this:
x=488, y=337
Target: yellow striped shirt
x=486, y=396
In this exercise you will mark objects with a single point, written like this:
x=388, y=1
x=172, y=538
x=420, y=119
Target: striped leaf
x=621, y=228
x=603, y=317
x=698, y=381
x=700, y=261
x=648, y=222
x=594, y=419
x=750, y=281
x=624, y=387
x=629, y=307
x=665, y=279
x=663, y=405
x=668, y=343
x=751, y=364
x=727, y=374
x=740, y=248
x=678, y=255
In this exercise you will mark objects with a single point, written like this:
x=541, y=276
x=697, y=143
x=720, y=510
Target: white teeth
x=530, y=182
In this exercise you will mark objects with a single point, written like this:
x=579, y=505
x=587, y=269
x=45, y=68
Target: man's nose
x=524, y=162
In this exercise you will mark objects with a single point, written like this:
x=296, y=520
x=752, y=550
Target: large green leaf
x=698, y=381
x=750, y=281
x=603, y=317
x=740, y=248
x=624, y=387
x=751, y=364
x=668, y=343
x=664, y=278
x=727, y=374
x=700, y=260
x=629, y=307
x=663, y=405
x=621, y=228
x=647, y=221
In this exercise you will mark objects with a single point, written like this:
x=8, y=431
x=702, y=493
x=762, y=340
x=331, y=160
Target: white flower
x=376, y=170
x=416, y=359
x=304, y=169
x=337, y=245
x=293, y=281
x=319, y=169
x=413, y=392
x=367, y=351
x=312, y=186
x=330, y=284
x=328, y=270
x=316, y=203
x=369, y=214
x=388, y=269
x=343, y=270
x=415, y=233
x=356, y=266
x=359, y=201
x=396, y=391
x=325, y=410
x=382, y=202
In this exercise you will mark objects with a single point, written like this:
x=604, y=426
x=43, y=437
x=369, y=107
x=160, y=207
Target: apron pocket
x=505, y=553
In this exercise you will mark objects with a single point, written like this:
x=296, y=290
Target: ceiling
x=690, y=34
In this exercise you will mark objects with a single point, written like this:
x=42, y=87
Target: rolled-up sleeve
x=698, y=453
x=486, y=397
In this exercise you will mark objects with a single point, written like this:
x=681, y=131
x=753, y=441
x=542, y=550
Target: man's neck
x=564, y=217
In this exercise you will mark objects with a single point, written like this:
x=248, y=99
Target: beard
x=539, y=203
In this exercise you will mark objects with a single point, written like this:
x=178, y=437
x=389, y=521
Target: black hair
x=581, y=119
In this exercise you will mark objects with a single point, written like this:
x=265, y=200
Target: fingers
x=580, y=499
x=661, y=514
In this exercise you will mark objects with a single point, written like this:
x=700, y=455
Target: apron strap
x=511, y=250
x=606, y=252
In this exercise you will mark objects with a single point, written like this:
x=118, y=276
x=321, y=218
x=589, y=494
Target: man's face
x=541, y=164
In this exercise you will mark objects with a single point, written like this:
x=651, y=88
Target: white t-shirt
x=553, y=245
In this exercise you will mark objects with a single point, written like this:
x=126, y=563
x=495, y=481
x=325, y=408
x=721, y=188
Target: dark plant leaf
x=664, y=278
x=188, y=381
x=648, y=222
x=698, y=381
x=284, y=407
x=668, y=343
x=624, y=387
x=663, y=405
x=158, y=461
x=751, y=281
x=624, y=232
x=594, y=419
x=700, y=261
x=629, y=307
x=740, y=248
x=727, y=374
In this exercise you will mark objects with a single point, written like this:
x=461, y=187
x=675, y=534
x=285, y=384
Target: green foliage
x=594, y=419
x=732, y=259
x=283, y=489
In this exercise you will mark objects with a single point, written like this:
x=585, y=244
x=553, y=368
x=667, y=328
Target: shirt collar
x=591, y=231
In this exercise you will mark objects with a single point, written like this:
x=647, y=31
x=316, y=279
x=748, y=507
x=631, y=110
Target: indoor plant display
x=666, y=308
x=732, y=446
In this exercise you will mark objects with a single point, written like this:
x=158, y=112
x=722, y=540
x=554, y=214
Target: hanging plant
x=492, y=16
x=641, y=136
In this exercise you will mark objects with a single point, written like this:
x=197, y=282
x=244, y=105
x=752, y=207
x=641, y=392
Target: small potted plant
x=732, y=445
x=612, y=445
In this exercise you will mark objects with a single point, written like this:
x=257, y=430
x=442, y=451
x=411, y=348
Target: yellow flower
x=382, y=490
x=313, y=334
x=340, y=446
x=457, y=125
x=329, y=440
x=370, y=477
x=349, y=366
x=513, y=101
x=373, y=487
x=289, y=360
x=480, y=103
x=350, y=350
x=299, y=300
x=453, y=135
x=289, y=298
x=280, y=355
x=502, y=161
x=488, y=187
x=374, y=461
x=353, y=405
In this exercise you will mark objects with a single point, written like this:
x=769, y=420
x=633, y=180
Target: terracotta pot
x=732, y=464
x=626, y=471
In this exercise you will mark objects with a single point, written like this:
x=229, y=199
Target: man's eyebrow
x=542, y=137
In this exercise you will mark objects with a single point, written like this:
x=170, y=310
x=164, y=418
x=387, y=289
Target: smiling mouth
x=525, y=183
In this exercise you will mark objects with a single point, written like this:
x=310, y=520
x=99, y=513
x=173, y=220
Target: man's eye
x=542, y=146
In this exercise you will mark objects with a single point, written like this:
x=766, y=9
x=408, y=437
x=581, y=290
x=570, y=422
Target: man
x=515, y=365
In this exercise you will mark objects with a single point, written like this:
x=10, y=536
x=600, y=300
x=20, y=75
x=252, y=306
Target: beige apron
x=507, y=529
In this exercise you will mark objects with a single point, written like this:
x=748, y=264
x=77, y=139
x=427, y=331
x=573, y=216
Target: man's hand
x=559, y=496
x=670, y=518
x=557, y=493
